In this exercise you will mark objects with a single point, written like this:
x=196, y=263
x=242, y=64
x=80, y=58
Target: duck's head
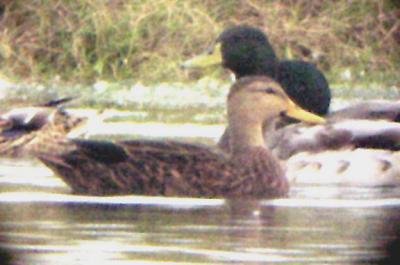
x=243, y=49
x=258, y=101
x=67, y=123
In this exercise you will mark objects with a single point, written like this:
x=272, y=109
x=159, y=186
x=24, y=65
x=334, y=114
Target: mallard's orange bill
x=213, y=57
x=300, y=114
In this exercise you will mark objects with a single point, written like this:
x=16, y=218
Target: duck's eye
x=270, y=90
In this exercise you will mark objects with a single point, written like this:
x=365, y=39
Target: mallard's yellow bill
x=213, y=57
x=298, y=113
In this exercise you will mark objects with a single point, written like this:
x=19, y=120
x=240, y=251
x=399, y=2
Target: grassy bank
x=88, y=40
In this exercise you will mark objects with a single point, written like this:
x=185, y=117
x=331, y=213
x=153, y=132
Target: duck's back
x=164, y=168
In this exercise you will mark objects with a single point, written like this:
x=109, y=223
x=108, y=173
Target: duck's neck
x=244, y=135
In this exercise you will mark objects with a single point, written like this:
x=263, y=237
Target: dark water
x=42, y=223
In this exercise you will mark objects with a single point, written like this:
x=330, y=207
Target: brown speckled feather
x=167, y=168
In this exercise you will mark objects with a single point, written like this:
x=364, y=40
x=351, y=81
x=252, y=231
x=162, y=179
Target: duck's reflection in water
x=240, y=231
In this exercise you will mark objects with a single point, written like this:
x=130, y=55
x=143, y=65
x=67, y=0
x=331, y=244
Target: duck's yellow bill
x=298, y=113
x=211, y=58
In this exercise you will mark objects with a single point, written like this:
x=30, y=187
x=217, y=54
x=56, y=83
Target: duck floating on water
x=357, y=152
x=172, y=168
x=346, y=150
x=21, y=127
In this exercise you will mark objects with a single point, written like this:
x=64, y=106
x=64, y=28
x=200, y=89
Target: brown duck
x=172, y=168
x=21, y=127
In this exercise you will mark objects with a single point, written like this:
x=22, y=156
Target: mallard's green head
x=246, y=51
x=242, y=49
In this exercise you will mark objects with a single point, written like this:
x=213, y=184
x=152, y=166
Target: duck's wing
x=372, y=109
x=28, y=118
x=375, y=134
x=32, y=118
x=21, y=126
x=139, y=167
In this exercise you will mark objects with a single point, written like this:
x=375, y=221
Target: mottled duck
x=172, y=168
x=21, y=127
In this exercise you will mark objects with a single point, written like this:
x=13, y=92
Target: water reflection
x=236, y=231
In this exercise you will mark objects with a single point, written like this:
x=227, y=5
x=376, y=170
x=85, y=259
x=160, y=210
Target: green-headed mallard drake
x=20, y=127
x=314, y=154
x=171, y=168
x=246, y=51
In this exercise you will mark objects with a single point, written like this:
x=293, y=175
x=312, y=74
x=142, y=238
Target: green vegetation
x=88, y=40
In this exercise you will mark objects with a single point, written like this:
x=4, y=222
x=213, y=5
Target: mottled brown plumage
x=21, y=129
x=179, y=169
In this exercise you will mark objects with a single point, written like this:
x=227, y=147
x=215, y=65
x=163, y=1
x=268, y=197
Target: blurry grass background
x=84, y=41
